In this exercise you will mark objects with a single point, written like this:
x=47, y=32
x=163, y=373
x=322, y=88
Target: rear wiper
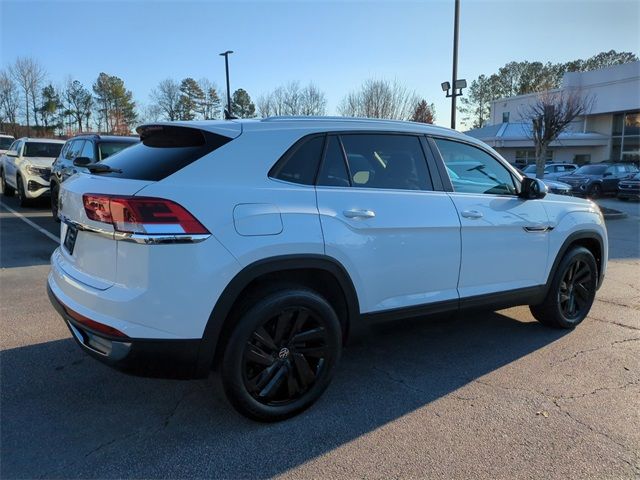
x=101, y=168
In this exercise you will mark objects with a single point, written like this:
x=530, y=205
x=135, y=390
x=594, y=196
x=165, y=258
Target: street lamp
x=227, y=112
x=458, y=85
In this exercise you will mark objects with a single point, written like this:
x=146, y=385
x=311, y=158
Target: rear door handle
x=359, y=213
x=473, y=214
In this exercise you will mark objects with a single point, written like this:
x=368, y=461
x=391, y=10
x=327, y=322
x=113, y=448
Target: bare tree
x=210, y=107
x=291, y=99
x=550, y=115
x=29, y=75
x=380, y=99
x=9, y=101
x=167, y=96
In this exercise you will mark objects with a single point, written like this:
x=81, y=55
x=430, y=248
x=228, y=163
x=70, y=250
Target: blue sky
x=336, y=45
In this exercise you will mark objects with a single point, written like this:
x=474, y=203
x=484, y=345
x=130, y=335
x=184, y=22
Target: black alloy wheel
x=55, y=191
x=575, y=290
x=282, y=354
x=595, y=191
x=571, y=291
x=22, y=198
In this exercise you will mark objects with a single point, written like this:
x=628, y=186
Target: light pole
x=226, y=54
x=458, y=85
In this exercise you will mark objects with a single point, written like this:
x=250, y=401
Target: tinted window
x=5, y=143
x=163, y=151
x=591, y=170
x=41, y=149
x=88, y=150
x=300, y=164
x=74, y=149
x=109, y=148
x=333, y=172
x=386, y=161
x=473, y=170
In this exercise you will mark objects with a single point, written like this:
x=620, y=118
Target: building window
x=625, y=141
x=505, y=117
x=526, y=157
x=582, y=158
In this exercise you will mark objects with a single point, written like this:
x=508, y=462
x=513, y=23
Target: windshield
x=5, y=143
x=41, y=149
x=636, y=177
x=591, y=170
x=110, y=148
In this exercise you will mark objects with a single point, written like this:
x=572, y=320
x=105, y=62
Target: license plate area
x=70, y=238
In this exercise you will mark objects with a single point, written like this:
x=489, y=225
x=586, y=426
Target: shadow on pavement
x=21, y=245
x=65, y=415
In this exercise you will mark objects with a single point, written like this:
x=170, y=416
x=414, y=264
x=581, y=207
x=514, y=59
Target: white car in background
x=26, y=167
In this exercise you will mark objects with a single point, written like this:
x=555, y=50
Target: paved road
x=486, y=395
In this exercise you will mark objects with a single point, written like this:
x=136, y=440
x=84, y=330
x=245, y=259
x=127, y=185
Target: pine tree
x=241, y=104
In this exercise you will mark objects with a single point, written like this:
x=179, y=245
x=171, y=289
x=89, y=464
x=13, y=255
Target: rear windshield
x=163, y=151
x=41, y=149
x=109, y=148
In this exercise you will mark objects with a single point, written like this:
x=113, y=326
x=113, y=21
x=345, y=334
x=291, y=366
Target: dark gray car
x=598, y=179
x=93, y=148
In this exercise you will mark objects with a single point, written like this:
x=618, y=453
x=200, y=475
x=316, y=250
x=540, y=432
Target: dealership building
x=610, y=131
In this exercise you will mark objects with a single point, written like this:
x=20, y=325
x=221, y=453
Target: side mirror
x=532, y=188
x=11, y=153
x=82, y=161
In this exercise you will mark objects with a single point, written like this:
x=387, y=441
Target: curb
x=611, y=214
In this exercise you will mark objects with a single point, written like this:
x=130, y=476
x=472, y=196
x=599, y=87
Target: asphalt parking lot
x=483, y=395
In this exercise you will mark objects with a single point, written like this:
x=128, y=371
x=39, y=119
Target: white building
x=610, y=131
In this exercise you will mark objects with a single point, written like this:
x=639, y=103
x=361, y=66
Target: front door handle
x=359, y=213
x=473, y=214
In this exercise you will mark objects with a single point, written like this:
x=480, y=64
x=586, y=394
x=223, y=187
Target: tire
x=22, y=198
x=55, y=191
x=572, y=291
x=281, y=355
x=7, y=191
x=595, y=191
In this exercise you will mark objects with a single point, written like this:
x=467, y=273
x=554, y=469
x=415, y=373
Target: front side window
x=386, y=161
x=473, y=170
x=74, y=149
x=42, y=149
x=300, y=164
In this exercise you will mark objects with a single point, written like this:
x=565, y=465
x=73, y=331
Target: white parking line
x=30, y=223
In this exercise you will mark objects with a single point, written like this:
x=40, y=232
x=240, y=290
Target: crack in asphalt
x=600, y=347
x=623, y=325
x=619, y=304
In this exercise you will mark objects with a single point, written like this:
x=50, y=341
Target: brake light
x=142, y=215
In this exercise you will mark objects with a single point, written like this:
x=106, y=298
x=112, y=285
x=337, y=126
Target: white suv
x=258, y=247
x=26, y=167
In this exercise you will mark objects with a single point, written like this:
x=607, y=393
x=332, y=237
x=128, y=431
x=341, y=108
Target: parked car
x=5, y=142
x=598, y=179
x=26, y=167
x=552, y=171
x=259, y=247
x=90, y=148
x=629, y=188
x=553, y=186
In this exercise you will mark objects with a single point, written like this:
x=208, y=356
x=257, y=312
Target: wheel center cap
x=284, y=353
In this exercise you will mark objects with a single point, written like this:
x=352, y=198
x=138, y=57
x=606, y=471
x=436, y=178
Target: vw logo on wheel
x=284, y=353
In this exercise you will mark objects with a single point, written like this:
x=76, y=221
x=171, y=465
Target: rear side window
x=386, y=161
x=163, y=151
x=87, y=150
x=106, y=149
x=73, y=150
x=300, y=164
x=333, y=172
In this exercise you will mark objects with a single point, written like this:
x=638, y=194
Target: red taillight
x=141, y=215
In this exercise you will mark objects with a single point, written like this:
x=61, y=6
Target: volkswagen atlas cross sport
x=257, y=247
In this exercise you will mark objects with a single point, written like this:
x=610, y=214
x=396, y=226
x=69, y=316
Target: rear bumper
x=144, y=357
